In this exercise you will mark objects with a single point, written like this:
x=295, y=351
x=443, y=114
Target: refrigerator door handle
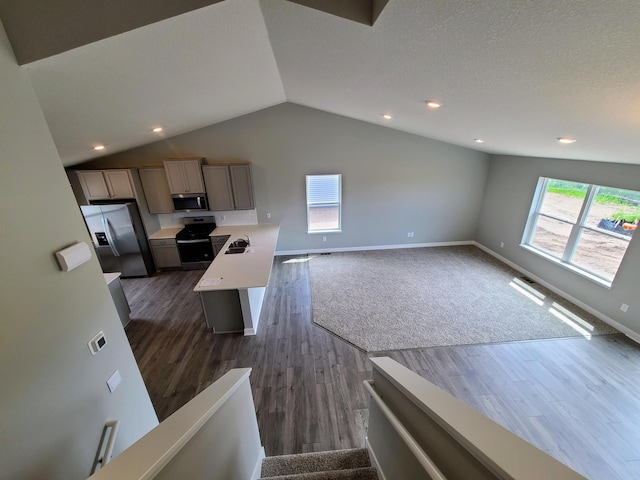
x=110, y=237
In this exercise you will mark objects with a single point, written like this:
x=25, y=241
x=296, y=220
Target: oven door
x=195, y=254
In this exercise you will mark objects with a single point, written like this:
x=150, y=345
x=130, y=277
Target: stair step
x=316, y=462
x=365, y=473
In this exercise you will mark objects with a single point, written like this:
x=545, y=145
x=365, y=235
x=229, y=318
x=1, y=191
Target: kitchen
x=161, y=218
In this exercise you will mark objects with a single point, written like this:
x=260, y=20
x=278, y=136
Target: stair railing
x=429, y=466
x=213, y=437
x=102, y=459
x=417, y=430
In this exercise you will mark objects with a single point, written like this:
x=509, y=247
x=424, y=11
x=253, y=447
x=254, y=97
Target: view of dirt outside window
x=324, y=198
x=588, y=226
x=324, y=218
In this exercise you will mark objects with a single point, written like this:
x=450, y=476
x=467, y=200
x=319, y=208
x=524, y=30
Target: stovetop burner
x=196, y=227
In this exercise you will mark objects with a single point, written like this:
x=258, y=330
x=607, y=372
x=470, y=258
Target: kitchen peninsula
x=232, y=288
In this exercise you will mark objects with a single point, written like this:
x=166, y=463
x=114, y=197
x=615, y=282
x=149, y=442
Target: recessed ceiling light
x=478, y=140
x=99, y=147
x=156, y=129
x=433, y=104
x=566, y=140
x=386, y=116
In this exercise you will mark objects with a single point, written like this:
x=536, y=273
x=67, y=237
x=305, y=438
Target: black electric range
x=194, y=244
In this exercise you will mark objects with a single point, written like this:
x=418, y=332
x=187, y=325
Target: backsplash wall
x=223, y=218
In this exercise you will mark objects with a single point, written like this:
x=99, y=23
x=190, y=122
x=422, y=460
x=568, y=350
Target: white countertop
x=244, y=270
x=165, y=233
x=110, y=277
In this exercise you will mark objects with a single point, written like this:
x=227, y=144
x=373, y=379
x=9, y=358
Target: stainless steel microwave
x=189, y=202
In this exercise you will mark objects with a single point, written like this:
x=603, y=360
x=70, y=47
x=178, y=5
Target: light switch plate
x=114, y=381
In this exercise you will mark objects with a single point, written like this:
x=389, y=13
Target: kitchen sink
x=239, y=244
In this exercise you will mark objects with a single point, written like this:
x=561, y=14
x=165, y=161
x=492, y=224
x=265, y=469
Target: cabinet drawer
x=163, y=241
x=219, y=238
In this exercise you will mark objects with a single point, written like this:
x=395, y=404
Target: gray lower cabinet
x=229, y=187
x=165, y=253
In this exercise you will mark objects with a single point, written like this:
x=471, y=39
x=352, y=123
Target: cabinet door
x=175, y=177
x=242, y=186
x=119, y=183
x=184, y=176
x=156, y=190
x=193, y=176
x=166, y=256
x=93, y=185
x=218, y=183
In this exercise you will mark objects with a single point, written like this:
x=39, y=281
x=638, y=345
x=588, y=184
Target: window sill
x=323, y=231
x=583, y=273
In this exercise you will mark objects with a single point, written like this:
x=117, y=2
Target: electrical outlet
x=268, y=215
x=501, y=244
x=624, y=307
x=410, y=234
x=324, y=239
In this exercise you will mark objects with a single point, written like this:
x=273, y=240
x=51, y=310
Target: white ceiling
x=518, y=74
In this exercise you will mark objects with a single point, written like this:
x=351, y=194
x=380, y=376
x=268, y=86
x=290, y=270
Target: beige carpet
x=423, y=297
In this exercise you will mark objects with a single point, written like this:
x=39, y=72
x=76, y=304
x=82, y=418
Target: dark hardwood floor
x=577, y=399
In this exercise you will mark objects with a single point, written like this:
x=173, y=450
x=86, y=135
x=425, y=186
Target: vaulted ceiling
x=517, y=74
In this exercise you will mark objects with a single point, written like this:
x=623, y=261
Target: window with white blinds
x=324, y=199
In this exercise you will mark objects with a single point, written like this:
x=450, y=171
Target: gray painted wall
x=393, y=182
x=508, y=194
x=54, y=398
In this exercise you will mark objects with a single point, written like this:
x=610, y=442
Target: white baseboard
x=257, y=469
x=374, y=460
x=373, y=247
x=606, y=319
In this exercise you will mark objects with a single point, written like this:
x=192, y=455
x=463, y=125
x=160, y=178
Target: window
x=324, y=198
x=587, y=227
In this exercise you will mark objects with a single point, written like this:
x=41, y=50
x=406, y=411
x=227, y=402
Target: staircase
x=333, y=465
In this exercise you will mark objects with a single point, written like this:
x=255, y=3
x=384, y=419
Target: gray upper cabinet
x=218, y=183
x=106, y=184
x=156, y=190
x=229, y=187
x=184, y=176
x=242, y=186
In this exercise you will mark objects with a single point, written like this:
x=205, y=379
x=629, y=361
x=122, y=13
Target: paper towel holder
x=73, y=256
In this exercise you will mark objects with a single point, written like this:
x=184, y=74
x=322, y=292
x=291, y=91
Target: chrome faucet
x=248, y=240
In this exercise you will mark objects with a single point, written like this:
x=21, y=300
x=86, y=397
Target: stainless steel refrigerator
x=119, y=238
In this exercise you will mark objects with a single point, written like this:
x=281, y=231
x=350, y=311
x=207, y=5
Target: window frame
x=338, y=203
x=577, y=228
